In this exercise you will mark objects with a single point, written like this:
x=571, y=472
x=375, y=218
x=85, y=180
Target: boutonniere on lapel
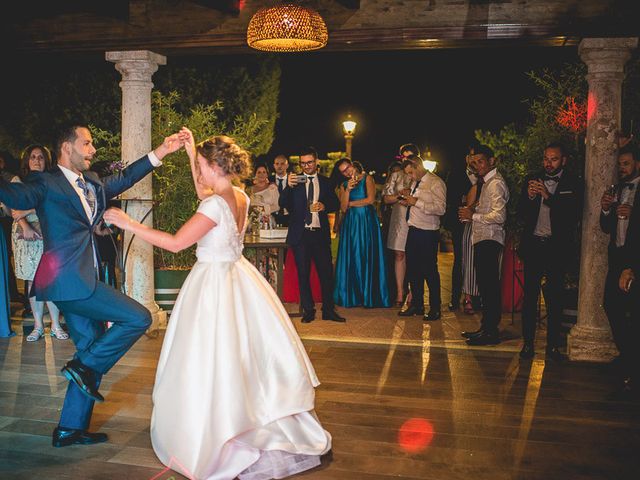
x=116, y=167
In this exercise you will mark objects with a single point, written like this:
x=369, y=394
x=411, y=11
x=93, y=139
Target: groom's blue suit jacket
x=66, y=270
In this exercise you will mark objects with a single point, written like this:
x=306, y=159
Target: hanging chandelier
x=287, y=28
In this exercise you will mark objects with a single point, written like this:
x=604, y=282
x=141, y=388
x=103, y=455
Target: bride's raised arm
x=190, y=147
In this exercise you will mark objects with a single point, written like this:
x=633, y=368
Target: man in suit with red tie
x=550, y=205
x=621, y=220
x=308, y=198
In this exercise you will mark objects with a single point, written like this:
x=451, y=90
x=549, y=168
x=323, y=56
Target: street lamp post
x=349, y=128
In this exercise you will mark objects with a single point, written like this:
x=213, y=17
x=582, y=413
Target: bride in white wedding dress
x=234, y=390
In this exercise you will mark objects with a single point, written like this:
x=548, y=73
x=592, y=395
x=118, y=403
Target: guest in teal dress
x=360, y=278
x=5, y=305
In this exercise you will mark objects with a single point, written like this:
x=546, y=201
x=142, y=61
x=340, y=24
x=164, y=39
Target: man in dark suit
x=630, y=286
x=621, y=220
x=308, y=202
x=550, y=205
x=280, y=167
x=69, y=202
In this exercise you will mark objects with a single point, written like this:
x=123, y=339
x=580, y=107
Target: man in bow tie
x=309, y=198
x=620, y=219
x=549, y=206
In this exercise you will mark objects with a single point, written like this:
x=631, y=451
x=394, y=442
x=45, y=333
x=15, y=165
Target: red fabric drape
x=512, y=280
x=290, y=290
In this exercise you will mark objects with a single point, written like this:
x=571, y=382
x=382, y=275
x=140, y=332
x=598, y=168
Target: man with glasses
x=308, y=199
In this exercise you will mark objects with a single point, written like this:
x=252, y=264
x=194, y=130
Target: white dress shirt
x=72, y=177
x=431, y=204
x=627, y=196
x=491, y=212
x=315, y=217
x=543, y=225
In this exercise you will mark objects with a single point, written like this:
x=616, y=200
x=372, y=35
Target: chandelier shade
x=287, y=28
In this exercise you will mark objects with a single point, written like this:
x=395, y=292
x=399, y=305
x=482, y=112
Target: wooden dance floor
x=402, y=399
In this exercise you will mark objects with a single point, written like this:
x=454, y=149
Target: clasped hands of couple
x=171, y=144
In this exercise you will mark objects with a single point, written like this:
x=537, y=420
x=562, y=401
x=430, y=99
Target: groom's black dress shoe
x=83, y=377
x=308, y=317
x=333, y=316
x=63, y=437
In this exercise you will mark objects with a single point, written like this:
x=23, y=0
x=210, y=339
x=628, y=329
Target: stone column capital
x=606, y=55
x=136, y=65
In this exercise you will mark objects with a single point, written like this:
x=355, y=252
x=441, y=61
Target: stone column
x=590, y=339
x=137, y=68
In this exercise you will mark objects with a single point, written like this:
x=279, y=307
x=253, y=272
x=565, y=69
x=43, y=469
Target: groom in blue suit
x=69, y=202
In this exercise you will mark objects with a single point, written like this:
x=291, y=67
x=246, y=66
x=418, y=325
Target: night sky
x=434, y=98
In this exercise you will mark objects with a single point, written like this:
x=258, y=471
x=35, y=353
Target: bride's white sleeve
x=210, y=208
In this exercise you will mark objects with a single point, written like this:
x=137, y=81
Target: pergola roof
x=219, y=26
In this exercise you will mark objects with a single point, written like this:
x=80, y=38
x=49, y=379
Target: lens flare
x=415, y=435
x=48, y=270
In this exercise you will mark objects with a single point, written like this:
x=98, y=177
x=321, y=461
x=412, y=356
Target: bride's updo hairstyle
x=227, y=154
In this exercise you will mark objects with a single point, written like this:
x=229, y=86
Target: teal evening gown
x=5, y=310
x=360, y=278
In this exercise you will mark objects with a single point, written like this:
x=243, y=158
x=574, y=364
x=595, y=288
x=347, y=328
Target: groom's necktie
x=88, y=194
x=308, y=218
x=280, y=184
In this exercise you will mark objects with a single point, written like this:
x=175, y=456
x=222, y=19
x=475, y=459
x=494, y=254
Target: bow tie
x=549, y=178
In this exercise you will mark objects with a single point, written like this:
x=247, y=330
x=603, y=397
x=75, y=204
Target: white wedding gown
x=234, y=391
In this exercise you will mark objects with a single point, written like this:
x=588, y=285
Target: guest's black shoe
x=527, y=351
x=333, y=316
x=308, y=317
x=432, y=316
x=471, y=333
x=555, y=354
x=63, y=437
x=453, y=306
x=484, y=339
x=410, y=311
x=83, y=377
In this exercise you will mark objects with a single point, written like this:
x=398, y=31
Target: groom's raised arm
x=117, y=183
x=22, y=196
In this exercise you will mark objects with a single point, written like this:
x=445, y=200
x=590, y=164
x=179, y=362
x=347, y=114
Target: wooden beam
x=42, y=9
x=225, y=6
x=352, y=4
